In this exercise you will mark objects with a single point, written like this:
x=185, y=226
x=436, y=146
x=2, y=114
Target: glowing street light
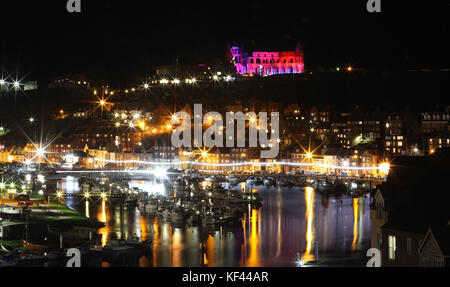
x=384, y=167
x=215, y=77
x=349, y=68
x=2, y=82
x=40, y=151
x=146, y=86
x=309, y=155
x=16, y=84
x=117, y=124
x=31, y=119
x=86, y=195
x=141, y=125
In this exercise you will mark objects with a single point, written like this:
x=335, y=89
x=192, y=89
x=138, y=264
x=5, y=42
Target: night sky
x=119, y=40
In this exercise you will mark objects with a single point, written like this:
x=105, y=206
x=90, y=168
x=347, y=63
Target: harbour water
x=291, y=220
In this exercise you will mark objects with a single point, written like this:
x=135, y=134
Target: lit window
x=392, y=247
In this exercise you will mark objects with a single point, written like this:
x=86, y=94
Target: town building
x=266, y=63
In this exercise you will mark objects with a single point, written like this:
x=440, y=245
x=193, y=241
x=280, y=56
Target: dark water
x=290, y=220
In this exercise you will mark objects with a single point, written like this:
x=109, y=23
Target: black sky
x=120, y=40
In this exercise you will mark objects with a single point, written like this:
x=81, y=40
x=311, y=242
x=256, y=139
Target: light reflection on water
x=291, y=220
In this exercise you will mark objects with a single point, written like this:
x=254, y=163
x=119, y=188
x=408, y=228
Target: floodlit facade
x=267, y=63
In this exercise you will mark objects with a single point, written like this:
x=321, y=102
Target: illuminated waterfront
x=290, y=220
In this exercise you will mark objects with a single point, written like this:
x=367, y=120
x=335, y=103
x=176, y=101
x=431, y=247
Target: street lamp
x=40, y=152
x=384, y=167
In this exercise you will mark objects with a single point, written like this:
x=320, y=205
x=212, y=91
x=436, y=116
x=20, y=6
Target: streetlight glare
x=384, y=167
x=40, y=151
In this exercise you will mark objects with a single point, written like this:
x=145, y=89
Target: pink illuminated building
x=266, y=63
